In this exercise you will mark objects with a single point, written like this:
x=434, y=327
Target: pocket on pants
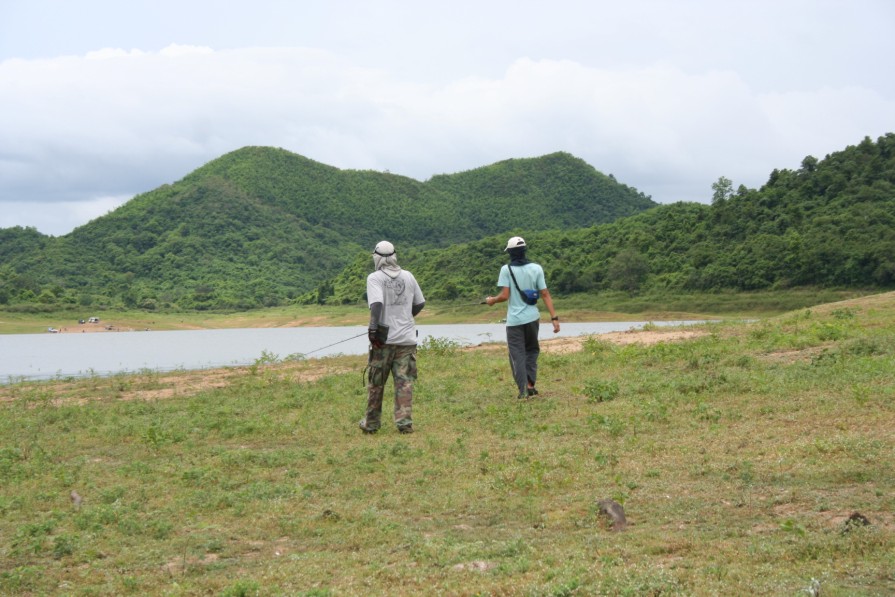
x=405, y=367
x=377, y=375
x=411, y=373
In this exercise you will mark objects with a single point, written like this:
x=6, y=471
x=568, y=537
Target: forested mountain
x=831, y=223
x=262, y=226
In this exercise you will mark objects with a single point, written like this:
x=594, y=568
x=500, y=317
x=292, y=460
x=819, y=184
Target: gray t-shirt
x=397, y=295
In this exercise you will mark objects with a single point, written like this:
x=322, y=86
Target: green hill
x=831, y=223
x=261, y=226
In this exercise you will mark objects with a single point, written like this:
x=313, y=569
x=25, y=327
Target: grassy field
x=604, y=306
x=739, y=457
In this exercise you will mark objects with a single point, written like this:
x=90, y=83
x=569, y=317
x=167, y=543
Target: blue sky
x=102, y=100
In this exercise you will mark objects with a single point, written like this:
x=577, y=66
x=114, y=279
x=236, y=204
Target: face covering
x=517, y=256
x=389, y=264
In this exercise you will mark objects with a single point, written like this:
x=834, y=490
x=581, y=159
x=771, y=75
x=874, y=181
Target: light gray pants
x=522, y=341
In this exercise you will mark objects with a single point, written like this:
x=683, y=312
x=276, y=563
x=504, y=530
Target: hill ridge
x=261, y=225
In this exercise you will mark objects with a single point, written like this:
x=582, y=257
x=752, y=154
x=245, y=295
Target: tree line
x=263, y=226
x=830, y=223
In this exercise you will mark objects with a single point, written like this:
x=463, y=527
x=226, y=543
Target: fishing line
x=333, y=344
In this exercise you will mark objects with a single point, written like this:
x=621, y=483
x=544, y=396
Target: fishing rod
x=334, y=344
x=365, y=333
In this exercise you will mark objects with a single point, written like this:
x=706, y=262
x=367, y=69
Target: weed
x=599, y=390
x=844, y=313
x=20, y=580
x=439, y=346
x=267, y=358
x=604, y=460
x=614, y=426
x=242, y=588
x=63, y=545
x=596, y=346
x=791, y=526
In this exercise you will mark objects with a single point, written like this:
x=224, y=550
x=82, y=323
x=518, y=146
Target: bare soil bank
x=192, y=382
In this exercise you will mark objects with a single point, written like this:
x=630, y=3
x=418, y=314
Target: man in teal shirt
x=523, y=319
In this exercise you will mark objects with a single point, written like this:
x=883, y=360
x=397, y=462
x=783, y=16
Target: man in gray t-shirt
x=395, y=299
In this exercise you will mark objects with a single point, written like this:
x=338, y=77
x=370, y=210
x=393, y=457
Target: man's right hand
x=374, y=340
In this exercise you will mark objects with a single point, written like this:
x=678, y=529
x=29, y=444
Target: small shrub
x=267, y=358
x=594, y=345
x=603, y=459
x=63, y=545
x=242, y=588
x=827, y=332
x=598, y=390
x=439, y=346
x=865, y=347
x=20, y=580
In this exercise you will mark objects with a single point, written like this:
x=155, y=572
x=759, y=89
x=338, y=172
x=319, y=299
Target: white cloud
x=114, y=122
x=57, y=218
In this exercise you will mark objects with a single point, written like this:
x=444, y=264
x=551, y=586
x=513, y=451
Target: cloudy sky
x=101, y=100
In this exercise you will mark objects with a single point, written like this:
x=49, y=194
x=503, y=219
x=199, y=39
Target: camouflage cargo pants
x=401, y=362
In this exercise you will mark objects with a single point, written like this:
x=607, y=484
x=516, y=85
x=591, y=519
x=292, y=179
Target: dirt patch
x=194, y=382
x=475, y=566
x=188, y=383
x=790, y=357
x=645, y=337
x=152, y=386
x=567, y=345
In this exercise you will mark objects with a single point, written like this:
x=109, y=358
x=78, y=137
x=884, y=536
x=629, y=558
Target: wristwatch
x=554, y=319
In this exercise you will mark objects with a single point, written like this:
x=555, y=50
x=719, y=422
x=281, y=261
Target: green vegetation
x=605, y=306
x=261, y=226
x=831, y=224
x=739, y=457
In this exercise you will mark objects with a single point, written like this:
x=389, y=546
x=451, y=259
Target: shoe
x=406, y=429
x=522, y=396
x=364, y=428
x=533, y=391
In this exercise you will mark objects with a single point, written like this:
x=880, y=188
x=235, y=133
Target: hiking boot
x=365, y=429
x=406, y=429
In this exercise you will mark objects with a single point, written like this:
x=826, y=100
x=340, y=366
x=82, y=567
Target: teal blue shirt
x=530, y=275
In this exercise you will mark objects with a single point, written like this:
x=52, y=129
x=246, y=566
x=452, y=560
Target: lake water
x=47, y=356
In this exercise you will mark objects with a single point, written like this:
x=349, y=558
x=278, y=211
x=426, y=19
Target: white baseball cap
x=515, y=243
x=384, y=249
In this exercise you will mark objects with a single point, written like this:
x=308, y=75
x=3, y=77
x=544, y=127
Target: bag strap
x=515, y=283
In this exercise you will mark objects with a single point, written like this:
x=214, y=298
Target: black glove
x=372, y=334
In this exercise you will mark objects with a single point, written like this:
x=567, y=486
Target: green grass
x=738, y=457
x=603, y=306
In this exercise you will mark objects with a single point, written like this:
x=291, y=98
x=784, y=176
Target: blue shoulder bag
x=530, y=296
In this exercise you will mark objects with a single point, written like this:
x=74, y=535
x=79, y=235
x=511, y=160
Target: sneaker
x=364, y=428
x=532, y=391
x=406, y=429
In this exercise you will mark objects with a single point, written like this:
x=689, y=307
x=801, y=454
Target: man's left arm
x=375, y=316
x=418, y=301
x=548, y=300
